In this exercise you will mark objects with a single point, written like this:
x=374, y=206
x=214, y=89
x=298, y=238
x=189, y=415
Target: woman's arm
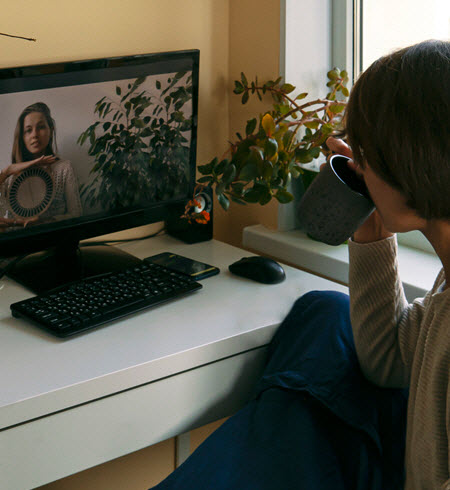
x=385, y=326
x=16, y=168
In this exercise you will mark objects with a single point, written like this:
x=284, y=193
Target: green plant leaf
x=251, y=126
x=138, y=123
x=284, y=109
x=265, y=197
x=287, y=136
x=220, y=188
x=283, y=196
x=208, y=168
x=238, y=188
x=333, y=74
x=238, y=87
x=303, y=155
x=287, y=88
x=245, y=98
x=237, y=200
x=267, y=170
x=223, y=201
x=244, y=80
x=203, y=180
x=337, y=107
x=252, y=195
x=301, y=96
x=314, y=152
x=229, y=174
x=220, y=167
x=256, y=155
x=270, y=147
x=312, y=124
x=249, y=172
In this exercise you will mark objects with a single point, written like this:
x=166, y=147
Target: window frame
x=346, y=53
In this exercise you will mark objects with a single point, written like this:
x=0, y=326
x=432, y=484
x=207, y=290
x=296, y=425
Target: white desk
x=67, y=405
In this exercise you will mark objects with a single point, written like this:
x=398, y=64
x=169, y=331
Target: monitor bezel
x=32, y=77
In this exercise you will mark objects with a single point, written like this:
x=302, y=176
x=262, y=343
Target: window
x=351, y=34
x=387, y=25
x=384, y=26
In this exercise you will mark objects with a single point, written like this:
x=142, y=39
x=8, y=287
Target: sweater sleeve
x=385, y=326
x=446, y=485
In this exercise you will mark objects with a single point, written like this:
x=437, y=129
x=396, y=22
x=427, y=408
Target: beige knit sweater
x=406, y=345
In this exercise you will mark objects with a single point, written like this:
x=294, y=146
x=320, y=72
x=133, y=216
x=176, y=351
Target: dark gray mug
x=335, y=204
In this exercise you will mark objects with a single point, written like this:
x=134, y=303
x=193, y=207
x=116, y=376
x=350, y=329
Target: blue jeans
x=314, y=422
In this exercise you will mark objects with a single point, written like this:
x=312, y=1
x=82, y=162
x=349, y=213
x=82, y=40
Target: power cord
x=10, y=266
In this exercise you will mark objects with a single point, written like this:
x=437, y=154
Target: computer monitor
x=89, y=148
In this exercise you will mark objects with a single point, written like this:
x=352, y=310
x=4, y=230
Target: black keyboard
x=91, y=302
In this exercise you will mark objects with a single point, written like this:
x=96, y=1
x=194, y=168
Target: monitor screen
x=92, y=147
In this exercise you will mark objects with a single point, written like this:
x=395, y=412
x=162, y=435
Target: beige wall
x=254, y=45
x=69, y=30
x=233, y=36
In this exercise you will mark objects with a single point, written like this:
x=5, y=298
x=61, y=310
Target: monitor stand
x=43, y=271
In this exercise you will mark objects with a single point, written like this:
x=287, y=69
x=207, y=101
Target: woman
x=35, y=145
x=322, y=416
x=398, y=127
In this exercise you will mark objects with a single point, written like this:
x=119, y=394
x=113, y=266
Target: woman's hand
x=17, y=168
x=9, y=222
x=340, y=147
x=373, y=228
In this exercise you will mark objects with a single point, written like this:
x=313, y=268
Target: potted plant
x=259, y=165
x=138, y=145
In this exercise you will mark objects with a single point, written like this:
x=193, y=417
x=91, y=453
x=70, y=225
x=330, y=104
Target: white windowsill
x=418, y=269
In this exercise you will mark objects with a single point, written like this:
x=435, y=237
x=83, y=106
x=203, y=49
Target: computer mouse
x=260, y=269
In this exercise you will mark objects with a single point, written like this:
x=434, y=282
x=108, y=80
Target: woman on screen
x=34, y=146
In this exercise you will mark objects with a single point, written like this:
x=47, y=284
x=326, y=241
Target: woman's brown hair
x=397, y=121
x=19, y=150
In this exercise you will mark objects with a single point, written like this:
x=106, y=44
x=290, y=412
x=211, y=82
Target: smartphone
x=193, y=268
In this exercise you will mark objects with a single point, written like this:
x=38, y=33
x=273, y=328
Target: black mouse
x=260, y=269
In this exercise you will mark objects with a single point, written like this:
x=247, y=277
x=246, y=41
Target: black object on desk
x=91, y=302
x=178, y=263
x=260, y=269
